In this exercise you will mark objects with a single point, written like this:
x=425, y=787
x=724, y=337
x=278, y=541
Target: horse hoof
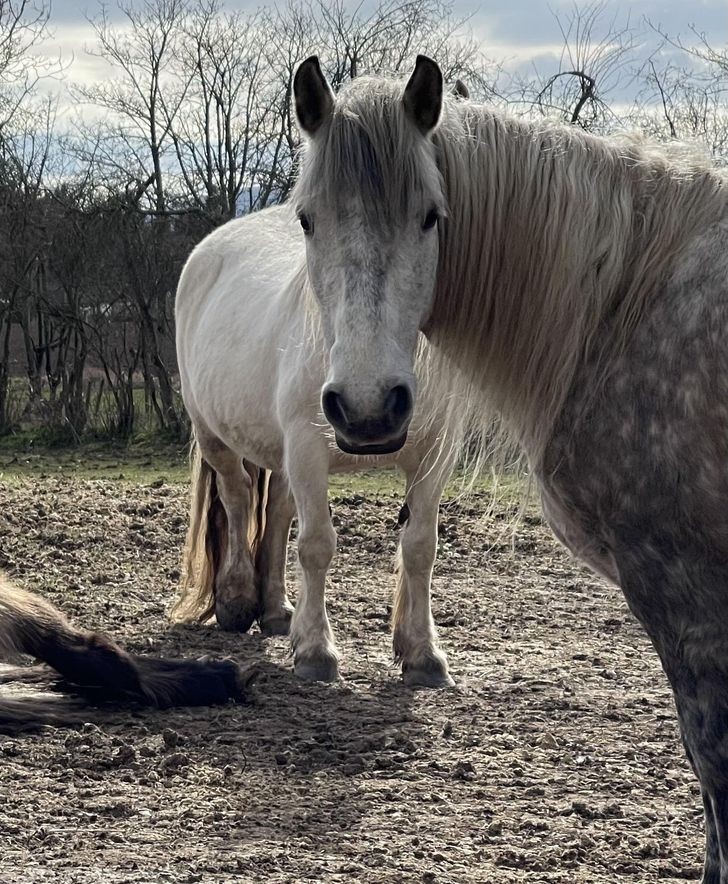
x=317, y=669
x=276, y=624
x=427, y=676
x=236, y=618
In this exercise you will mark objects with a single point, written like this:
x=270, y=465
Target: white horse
x=251, y=363
x=580, y=286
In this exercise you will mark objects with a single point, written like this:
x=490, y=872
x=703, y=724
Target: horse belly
x=578, y=536
x=234, y=400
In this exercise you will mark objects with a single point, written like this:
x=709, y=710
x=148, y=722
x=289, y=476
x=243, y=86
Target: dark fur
x=99, y=667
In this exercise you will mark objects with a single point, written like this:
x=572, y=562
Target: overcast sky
x=514, y=31
x=528, y=24
x=517, y=22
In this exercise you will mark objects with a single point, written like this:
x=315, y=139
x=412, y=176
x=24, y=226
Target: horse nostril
x=335, y=408
x=398, y=403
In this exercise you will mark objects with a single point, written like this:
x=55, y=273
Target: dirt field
x=556, y=758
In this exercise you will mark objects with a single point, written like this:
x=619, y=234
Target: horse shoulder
x=641, y=457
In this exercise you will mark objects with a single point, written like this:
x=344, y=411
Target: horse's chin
x=364, y=449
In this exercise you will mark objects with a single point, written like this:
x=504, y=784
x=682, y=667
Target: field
x=555, y=759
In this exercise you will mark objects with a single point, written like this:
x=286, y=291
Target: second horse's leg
x=270, y=561
x=236, y=596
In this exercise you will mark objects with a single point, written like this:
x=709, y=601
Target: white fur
x=252, y=364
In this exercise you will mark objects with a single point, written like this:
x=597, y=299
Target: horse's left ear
x=460, y=90
x=313, y=96
x=422, y=97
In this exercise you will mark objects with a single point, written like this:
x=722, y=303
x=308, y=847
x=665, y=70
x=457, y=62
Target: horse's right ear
x=422, y=97
x=313, y=96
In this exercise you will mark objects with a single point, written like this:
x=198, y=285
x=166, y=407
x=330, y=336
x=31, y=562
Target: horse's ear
x=460, y=90
x=422, y=97
x=313, y=96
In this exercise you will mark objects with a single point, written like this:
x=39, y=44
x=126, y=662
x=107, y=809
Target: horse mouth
x=371, y=448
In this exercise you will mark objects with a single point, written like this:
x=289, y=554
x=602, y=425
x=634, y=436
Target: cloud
x=522, y=34
x=530, y=23
x=69, y=41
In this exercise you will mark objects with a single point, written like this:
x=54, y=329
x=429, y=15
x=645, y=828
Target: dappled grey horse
x=579, y=285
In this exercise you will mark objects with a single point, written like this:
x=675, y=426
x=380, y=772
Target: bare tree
x=230, y=114
x=596, y=62
x=23, y=24
x=686, y=97
x=24, y=158
x=387, y=37
x=141, y=54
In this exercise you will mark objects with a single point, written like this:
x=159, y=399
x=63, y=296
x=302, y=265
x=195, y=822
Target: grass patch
x=149, y=458
x=389, y=482
x=141, y=460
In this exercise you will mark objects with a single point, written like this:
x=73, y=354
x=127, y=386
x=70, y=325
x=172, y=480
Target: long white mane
x=551, y=234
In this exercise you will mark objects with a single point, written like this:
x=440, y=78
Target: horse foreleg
x=236, y=596
x=711, y=867
x=702, y=706
x=276, y=609
x=680, y=604
x=414, y=634
x=314, y=653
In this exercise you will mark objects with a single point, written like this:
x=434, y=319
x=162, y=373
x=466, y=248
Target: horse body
x=252, y=361
x=582, y=291
x=234, y=323
x=646, y=460
x=644, y=491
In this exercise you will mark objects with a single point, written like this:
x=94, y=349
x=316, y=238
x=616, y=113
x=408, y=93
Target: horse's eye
x=431, y=218
x=306, y=223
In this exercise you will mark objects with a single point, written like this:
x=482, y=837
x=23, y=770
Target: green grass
x=141, y=460
x=389, y=482
x=101, y=409
x=149, y=458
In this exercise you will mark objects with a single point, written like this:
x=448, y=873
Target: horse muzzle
x=381, y=433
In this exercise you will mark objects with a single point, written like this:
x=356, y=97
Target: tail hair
x=30, y=625
x=207, y=538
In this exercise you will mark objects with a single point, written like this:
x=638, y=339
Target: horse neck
x=549, y=232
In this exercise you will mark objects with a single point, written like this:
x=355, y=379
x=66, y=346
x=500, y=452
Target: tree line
x=192, y=125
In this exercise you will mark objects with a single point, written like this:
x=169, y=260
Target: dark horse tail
x=96, y=664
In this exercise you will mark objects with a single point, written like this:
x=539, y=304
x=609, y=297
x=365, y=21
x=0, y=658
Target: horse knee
x=316, y=549
x=418, y=543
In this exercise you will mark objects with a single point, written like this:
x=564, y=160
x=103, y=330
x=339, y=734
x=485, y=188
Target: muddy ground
x=556, y=758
